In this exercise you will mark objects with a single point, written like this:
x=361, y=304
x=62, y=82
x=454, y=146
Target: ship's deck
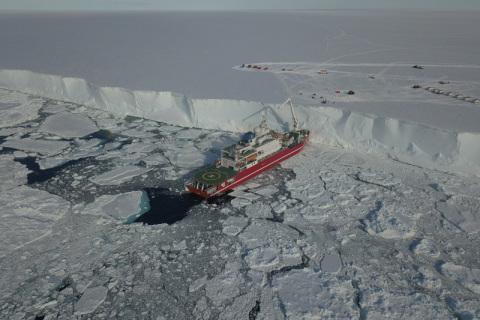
x=213, y=174
x=216, y=175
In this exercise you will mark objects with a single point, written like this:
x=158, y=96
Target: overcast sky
x=234, y=4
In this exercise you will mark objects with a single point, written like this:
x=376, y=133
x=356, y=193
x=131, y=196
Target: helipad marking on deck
x=211, y=176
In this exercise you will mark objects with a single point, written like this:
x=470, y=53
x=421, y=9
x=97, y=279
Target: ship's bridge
x=248, y=137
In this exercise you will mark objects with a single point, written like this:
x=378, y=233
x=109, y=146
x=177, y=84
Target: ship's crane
x=295, y=121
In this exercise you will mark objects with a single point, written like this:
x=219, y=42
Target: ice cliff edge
x=399, y=139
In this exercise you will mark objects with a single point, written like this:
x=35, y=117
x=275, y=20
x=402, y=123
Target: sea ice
x=16, y=108
x=56, y=108
x=124, y=207
x=52, y=162
x=225, y=285
x=197, y=284
x=391, y=305
x=107, y=123
x=391, y=221
x=44, y=147
x=155, y=159
x=244, y=195
x=463, y=212
x=467, y=277
x=12, y=173
x=188, y=134
x=426, y=247
x=136, y=133
x=309, y=294
x=68, y=125
x=27, y=214
x=239, y=202
x=278, y=207
x=259, y=210
x=119, y=175
x=331, y=263
x=90, y=300
x=20, y=154
x=184, y=155
x=265, y=191
x=139, y=147
x=234, y=225
x=270, y=246
x=81, y=149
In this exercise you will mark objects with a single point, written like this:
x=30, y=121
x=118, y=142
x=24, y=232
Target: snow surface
x=376, y=218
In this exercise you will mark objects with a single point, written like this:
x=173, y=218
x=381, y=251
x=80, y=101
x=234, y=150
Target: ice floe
x=119, y=175
x=139, y=147
x=27, y=214
x=44, y=147
x=426, y=247
x=184, y=155
x=12, y=173
x=188, y=134
x=309, y=294
x=16, y=108
x=259, y=210
x=155, y=160
x=234, y=225
x=270, y=246
x=68, y=125
x=391, y=222
x=331, y=263
x=244, y=195
x=125, y=207
x=265, y=191
x=463, y=212
x=468, y=277
x=225, y=285
x=90, y=300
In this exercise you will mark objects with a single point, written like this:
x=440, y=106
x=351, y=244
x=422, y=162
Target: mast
x=295, y=121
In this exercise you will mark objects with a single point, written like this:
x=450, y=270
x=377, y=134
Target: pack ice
x=332, y=233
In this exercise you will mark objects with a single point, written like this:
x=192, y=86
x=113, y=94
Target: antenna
x=295, y=121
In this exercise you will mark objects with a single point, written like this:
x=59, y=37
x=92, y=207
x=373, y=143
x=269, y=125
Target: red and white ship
x=256, y=152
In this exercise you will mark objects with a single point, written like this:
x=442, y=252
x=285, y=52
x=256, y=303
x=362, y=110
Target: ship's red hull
x=255, y=170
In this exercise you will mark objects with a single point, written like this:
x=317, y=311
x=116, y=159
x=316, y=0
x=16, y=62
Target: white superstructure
x=253, y=147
